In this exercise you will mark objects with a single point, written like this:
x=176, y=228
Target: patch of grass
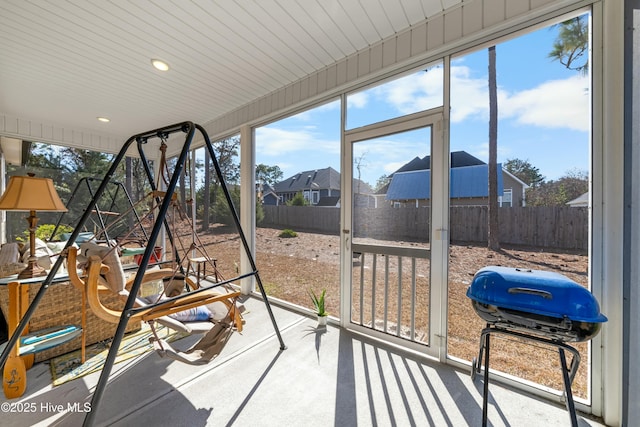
x=271, y=288
x=288, y=233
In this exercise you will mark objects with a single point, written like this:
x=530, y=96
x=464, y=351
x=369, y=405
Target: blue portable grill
x=543, y=303
x=541, y=306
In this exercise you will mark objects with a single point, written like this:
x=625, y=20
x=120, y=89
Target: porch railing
x=390, y=290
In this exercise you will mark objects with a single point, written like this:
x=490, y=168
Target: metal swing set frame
x=189, y=129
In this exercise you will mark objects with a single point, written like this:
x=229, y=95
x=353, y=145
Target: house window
x=313, y=198
x=507, y=198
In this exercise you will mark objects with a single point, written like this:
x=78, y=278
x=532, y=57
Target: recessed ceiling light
x=104, y=119
x=160, y=65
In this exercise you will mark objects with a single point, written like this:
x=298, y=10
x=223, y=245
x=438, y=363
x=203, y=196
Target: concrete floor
x=325, y=377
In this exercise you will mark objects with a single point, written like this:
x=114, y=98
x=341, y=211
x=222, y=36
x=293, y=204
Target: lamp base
x=32, y=270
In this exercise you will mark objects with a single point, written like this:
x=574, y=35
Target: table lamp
x=31, y=194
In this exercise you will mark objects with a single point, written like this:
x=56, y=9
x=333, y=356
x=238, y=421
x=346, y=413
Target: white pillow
x=9, y=253
x=115, y=276
x=41, y=250
x=57, y=247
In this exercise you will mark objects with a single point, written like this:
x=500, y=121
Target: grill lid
x=533, y=291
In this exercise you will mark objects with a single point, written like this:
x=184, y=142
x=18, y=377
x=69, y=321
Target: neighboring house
x=316, y=185
x=329, y=202
x=267, y=195
x=582, y=201
x=411, y=184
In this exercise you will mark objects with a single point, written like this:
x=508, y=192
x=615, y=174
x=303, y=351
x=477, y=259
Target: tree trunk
x=128, y=185
x=183, y=189
x=207, y=191
x=493, y=238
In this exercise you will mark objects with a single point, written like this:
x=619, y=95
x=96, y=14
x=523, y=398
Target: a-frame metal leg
x=189, y=129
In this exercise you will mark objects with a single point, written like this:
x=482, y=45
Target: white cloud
x=553, y=104
x=392, y=167
x=309, y=115
x=481, y=151
x=415, y=92
x=469, y=96
x=562, y=104
x=357, y=100
x=271, y=141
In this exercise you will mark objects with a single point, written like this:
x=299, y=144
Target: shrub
x=44, y=231
x=298, y=200
x=287, y=233
x=222, y=212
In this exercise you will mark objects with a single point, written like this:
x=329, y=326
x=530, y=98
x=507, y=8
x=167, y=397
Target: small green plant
x=297, y=200
x=318, y=302
x=44, y=231
x=287, y=233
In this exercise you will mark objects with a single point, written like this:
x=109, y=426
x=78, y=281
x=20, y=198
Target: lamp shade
x=28, y=193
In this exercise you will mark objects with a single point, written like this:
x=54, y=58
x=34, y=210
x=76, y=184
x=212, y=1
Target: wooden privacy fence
x=559, y=227
x=324, y=220
x=546, y=227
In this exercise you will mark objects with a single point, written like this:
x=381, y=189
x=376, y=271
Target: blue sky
x=543, y=115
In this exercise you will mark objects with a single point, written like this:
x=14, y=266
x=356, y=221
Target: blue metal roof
x=410, y=185
x=466, y=181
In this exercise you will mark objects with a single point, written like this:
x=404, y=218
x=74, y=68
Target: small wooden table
x=201, y=268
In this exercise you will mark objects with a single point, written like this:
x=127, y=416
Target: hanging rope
x=164, y=168
x=175, y=216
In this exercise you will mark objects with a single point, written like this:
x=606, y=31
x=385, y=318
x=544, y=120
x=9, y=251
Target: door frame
x=438, y=240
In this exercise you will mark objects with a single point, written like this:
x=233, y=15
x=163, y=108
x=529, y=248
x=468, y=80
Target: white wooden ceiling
x=68, y=62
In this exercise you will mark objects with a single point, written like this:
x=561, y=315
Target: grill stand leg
x=485, y=397
x=571, y=407
x=476, y=364
x=568, y=372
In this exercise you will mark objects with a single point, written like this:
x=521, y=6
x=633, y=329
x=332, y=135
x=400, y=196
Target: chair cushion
x=195, y=314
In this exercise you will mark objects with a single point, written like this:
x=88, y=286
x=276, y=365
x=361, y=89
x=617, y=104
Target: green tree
x=222, y=212
x=226, y=152
x=66, y=167
x=382, y=182
x=205, y=195
x=298, y=200
x=560, y=191
x=570, y=48
x=138, y=184
x=86, y=162
x=525, y=171
x=571, y=45
x=269, y=175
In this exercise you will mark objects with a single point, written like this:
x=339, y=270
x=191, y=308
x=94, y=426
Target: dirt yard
x=290, y=267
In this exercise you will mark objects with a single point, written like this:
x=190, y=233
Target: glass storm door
x=394, y=191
